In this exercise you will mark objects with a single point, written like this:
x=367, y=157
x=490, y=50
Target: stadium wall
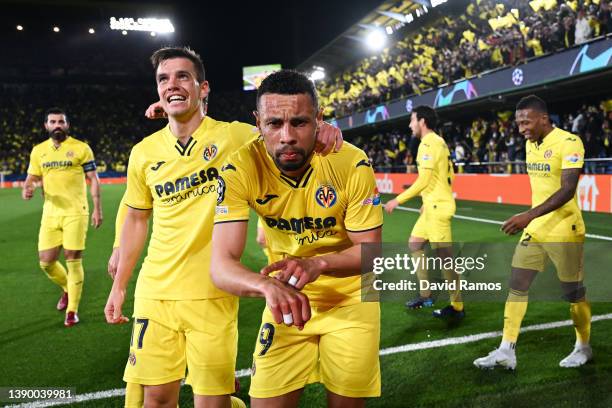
x=594, y=191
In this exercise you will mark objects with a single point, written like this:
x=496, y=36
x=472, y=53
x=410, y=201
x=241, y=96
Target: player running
x=553, y=228
x=434, y=184
x=62, y=163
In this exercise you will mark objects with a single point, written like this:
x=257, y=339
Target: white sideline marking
x=452, y=341
x=487, y=221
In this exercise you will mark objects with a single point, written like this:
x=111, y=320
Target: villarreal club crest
x=210, y=152
x=326, y=196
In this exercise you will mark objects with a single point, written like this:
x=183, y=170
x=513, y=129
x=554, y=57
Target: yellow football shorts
x=567, y=255
x=170, y=336
x=339, y=347
x=434, y=225
x=68, y=231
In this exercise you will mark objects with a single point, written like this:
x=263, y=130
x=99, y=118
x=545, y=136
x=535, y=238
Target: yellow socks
x=56, y=272
x=75, y=283
x=581, y=315
x=421, y=270
x=455, y=295
x=514, y=312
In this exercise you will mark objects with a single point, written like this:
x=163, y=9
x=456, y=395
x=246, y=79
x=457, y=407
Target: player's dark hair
x=288, y=82
x=55, y=111
x=167, y=53
x=532, y=102
x=428, y=114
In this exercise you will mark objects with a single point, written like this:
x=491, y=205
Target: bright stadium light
x=124, y=32
x=92, y=31
x=153, y=33
x=56, y=29
x=376, y=40
x=19, y=27
x=157, y=25
x=317, y=74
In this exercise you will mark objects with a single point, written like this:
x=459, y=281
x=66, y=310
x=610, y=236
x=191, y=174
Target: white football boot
x=505, y=358
x=579, y=356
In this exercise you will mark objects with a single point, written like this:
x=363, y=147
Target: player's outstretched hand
x=328, y=137
x=287, y=304
x=96, y=219
x=391, y=205
x=516, y=223
x=113, y=263
x=112, y=310
x=296, y=272
x=155, y=111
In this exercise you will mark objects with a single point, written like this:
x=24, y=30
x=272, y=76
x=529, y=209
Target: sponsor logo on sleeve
x=573, y=158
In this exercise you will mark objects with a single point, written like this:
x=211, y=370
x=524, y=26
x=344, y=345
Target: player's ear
x=257, y=121
x=204, y=90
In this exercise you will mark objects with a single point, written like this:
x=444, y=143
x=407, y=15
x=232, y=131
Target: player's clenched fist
x=296, y=272
x=112, y=310
x=286, y=304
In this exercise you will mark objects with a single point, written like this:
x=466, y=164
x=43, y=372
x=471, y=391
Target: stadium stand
x=488, y=35
x=491, y=139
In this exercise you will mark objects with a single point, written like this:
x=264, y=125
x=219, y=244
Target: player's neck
x=545, y=132
x=183, y=127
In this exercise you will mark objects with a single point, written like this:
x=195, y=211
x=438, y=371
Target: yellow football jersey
x=180, y=183
x=557, y=151
x=305, y=217
x=433, y=154
x=63, y=172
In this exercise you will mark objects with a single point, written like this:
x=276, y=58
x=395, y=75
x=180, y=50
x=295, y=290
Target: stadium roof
x=393, y=16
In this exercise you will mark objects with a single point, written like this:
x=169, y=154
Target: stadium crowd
x=491, y=139
x=109, y=118
x=488, y=35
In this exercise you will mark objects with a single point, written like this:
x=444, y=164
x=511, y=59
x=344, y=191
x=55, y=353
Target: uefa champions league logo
x=517, y=77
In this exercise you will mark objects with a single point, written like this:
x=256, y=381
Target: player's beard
x=58, y=134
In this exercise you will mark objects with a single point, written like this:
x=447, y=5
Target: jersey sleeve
x=119, y=220
x=34, y=166
x=572, y=153
x=427, y=155
x=232, y=193
x=138, y=194
x=88, y=162
x=364, y=211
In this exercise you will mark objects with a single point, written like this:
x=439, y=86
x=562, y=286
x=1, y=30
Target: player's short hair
x=54, y=111
x=167, y=53
x=428, y=114
x=288, y=82
x=532, y=102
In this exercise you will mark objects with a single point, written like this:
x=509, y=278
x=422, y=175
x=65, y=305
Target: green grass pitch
x=38, y=351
